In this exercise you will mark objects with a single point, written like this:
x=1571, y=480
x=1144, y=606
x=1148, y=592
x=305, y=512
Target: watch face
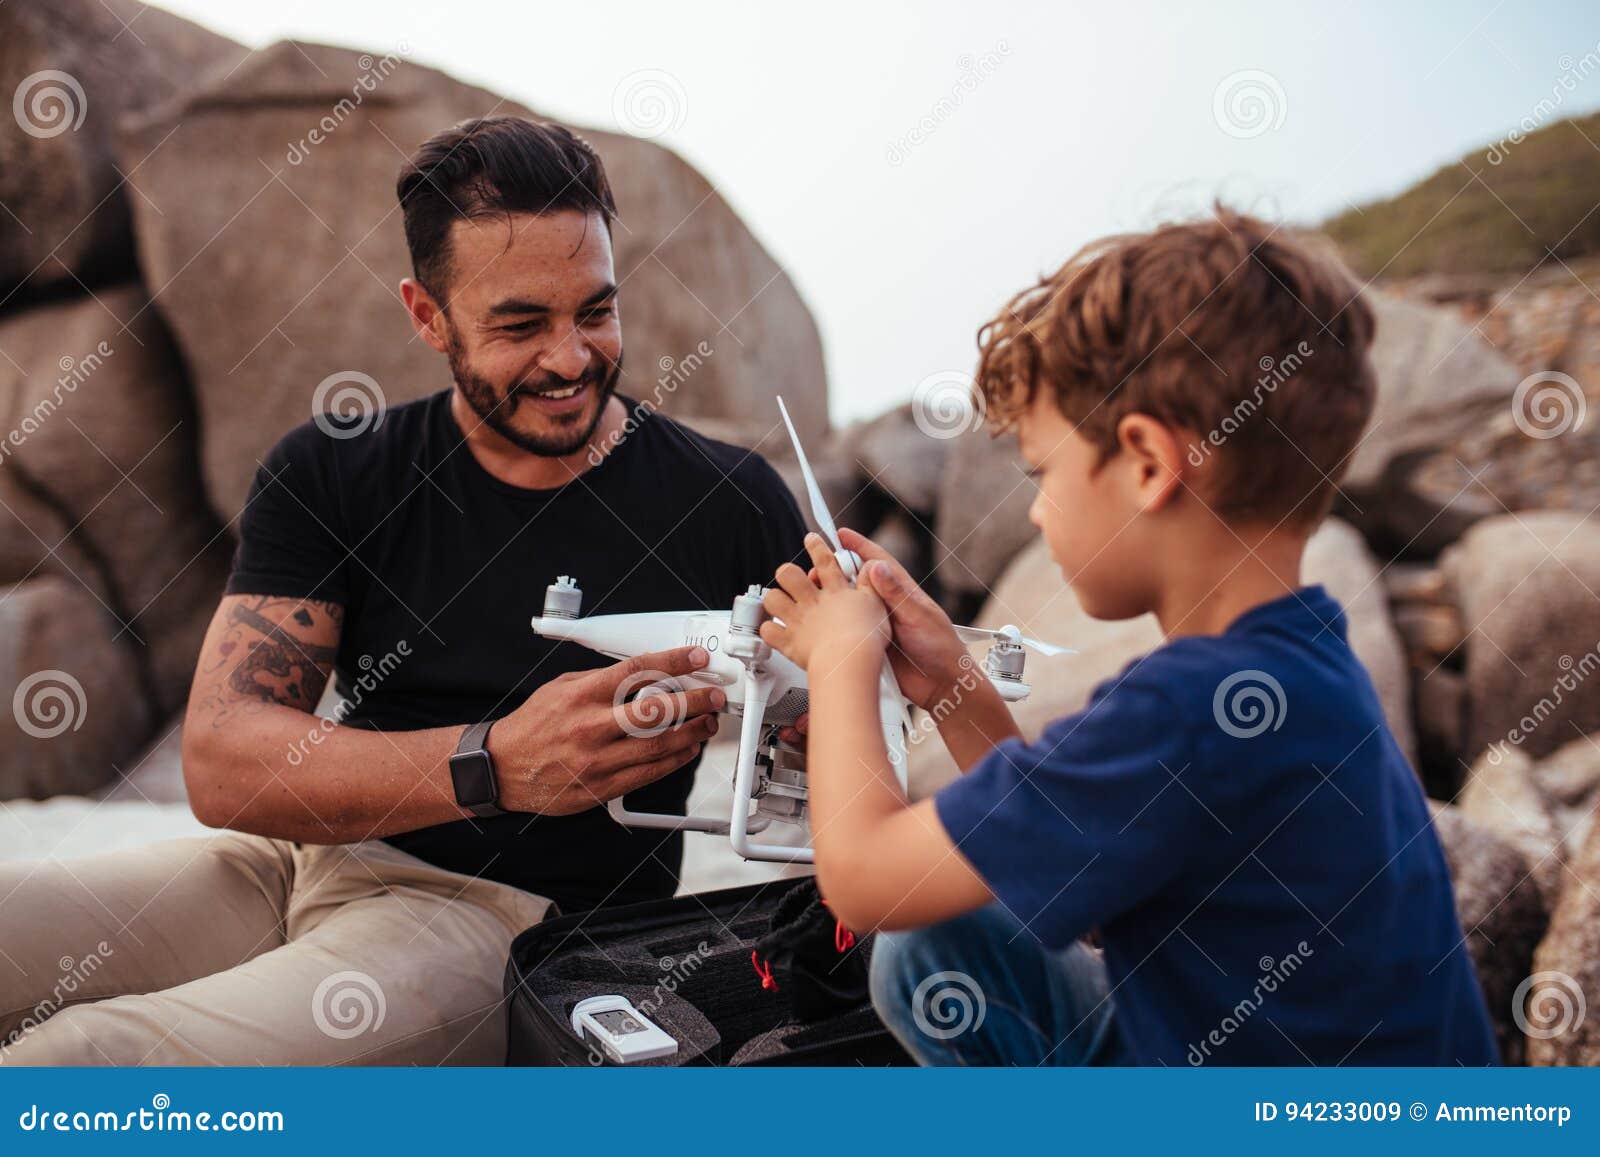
x=472, y=773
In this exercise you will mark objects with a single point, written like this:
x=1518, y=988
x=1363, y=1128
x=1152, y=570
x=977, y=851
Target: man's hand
x=584, y=738
x=826, y=618
x=927, y=656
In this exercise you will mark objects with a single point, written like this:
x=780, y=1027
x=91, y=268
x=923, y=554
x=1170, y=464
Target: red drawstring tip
x=765, y=974
x=843, y=938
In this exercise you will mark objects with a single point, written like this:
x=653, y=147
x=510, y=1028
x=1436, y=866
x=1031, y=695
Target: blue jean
x=981, y=990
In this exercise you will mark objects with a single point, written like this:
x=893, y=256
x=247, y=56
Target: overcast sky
x=912, y=165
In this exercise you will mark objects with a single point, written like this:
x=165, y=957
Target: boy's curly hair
x=1251, y=342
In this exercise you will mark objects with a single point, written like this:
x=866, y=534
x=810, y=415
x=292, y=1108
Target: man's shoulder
x=704, y=457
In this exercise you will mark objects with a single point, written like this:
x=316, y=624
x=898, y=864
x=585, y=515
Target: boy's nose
x=1036, y=511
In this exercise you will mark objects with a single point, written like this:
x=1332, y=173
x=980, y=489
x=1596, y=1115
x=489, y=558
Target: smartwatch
x=472, y=772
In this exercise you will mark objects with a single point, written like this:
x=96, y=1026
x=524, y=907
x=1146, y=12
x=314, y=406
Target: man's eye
x=522, y=326
x=595, y=316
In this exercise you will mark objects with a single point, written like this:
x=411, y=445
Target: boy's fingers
x=778, y=604
x=862, y=545
x=795, y=584
x=829, y=573
x=775, y=635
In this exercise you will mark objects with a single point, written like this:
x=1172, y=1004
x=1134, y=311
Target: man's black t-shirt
x=440, y=566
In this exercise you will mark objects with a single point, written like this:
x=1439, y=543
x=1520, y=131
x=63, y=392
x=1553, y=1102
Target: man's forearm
x=277, y=771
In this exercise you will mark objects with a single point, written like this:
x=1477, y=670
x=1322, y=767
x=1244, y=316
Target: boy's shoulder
x=1280, y=669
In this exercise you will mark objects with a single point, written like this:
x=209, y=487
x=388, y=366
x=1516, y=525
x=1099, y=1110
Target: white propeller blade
x=1010, y=634
x=819, y=508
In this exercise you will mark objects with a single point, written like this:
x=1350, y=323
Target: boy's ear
x=1154, y=454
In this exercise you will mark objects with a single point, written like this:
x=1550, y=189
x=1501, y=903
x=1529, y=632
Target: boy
x=1231, y=811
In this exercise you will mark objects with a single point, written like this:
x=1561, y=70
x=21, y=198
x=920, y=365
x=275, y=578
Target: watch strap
x=473, y=742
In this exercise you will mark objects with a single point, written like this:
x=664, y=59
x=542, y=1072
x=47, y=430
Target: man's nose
x=569, y=358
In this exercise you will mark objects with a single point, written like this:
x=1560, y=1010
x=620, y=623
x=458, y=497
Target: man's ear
x=427, y=316
x=1154, y=455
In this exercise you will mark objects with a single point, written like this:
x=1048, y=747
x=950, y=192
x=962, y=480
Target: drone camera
x=1005, y=660
x=563, y=599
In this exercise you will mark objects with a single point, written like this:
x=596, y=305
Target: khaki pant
x=242, y=950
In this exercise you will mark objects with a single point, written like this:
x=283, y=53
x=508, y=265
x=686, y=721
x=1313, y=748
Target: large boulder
x=70, y=711
x=98, y=475
x=303, y=142
x=1032, y=595
x=1502, y=912
x=1563, y=1022
x=1502, y=795
x=71, y=69
x=1525, y=585
x=1437, y=381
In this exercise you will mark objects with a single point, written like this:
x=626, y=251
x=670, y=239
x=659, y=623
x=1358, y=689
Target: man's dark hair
x=493, y=166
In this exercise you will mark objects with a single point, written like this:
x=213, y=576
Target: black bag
x=690, y=965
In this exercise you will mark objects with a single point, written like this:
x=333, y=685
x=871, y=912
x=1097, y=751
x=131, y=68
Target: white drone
x=764, y=688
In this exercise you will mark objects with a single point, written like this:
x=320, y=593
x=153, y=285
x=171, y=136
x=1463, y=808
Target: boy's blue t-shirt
x=1233, y=814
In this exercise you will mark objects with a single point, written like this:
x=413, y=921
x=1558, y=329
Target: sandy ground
x=147, y=803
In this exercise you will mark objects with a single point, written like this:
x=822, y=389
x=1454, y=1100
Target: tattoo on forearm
x=267, y=661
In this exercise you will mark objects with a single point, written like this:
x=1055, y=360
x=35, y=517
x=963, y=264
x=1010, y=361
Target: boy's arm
x=881, y=862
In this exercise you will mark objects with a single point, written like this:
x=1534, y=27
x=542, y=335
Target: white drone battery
x=623, y=1033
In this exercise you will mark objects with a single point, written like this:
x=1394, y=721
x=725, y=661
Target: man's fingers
x=649, y=744
x=654, y=711
x=637, y=775
x=678, y=661
x=795, y=584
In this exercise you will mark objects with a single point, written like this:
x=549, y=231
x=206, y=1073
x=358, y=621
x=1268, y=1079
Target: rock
x=1033, y=595
x=1415, y=583
x=1502, y=915
x=154, y=775
x=1337, y=558
x=982, y=519
x=1525, y=585
x=77, y=66
x=1440, y=697
x=1570, y=782
x=1428, y=630
x=70, y=826
x=714, y=328
x=1502, y=796
x=1563, y=1024
x=899, y=457
x=100, y=470
x=1438, y=381
x=67, y=683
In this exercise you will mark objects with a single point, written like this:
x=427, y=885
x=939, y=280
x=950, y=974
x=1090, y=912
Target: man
x=361, y=907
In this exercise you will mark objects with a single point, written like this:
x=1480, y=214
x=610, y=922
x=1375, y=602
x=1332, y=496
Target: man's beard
x=565, y=434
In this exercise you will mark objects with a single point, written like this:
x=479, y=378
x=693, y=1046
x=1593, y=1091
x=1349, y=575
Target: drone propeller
x=1010, y=634
x=819, y=508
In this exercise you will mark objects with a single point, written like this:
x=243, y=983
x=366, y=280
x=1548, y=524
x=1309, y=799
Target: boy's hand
x=927, y=656
x=827, y=619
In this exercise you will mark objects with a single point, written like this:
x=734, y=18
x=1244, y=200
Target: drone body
x=765, y=691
